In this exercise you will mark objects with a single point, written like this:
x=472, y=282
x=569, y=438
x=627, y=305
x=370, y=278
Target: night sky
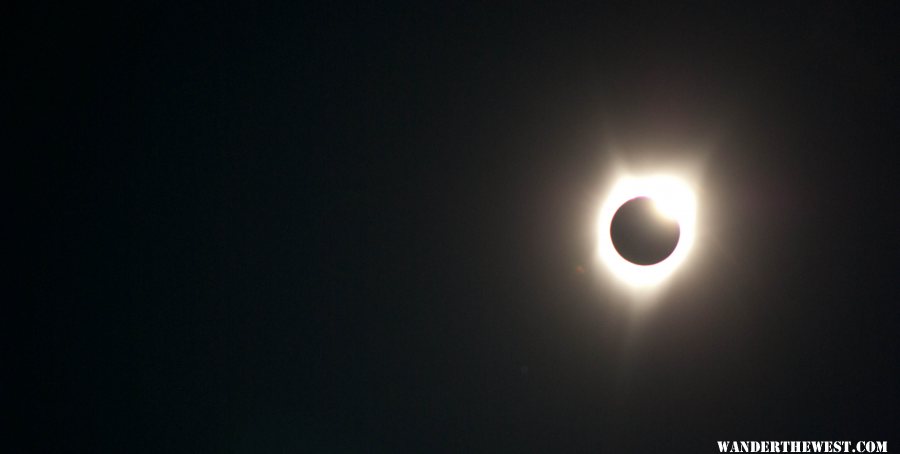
x=370, y=227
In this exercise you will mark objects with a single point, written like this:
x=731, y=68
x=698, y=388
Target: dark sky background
x=355, y=228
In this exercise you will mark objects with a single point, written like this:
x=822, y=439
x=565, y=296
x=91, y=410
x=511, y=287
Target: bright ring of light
x=673, y=198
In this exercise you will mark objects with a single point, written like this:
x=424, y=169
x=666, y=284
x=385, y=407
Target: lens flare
x=674, y=198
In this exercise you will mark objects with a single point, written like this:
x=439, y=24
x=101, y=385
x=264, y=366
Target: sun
x=673, y=198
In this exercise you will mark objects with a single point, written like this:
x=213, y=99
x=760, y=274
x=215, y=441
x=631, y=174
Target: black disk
x=641, y=235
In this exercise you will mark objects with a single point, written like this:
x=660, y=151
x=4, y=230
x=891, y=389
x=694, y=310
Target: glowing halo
x=675, y=199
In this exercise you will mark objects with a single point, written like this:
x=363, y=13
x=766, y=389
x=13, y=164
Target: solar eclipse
x=641, y=234
x=646, y=228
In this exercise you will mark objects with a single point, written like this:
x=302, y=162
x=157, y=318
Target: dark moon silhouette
x=641, y=235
